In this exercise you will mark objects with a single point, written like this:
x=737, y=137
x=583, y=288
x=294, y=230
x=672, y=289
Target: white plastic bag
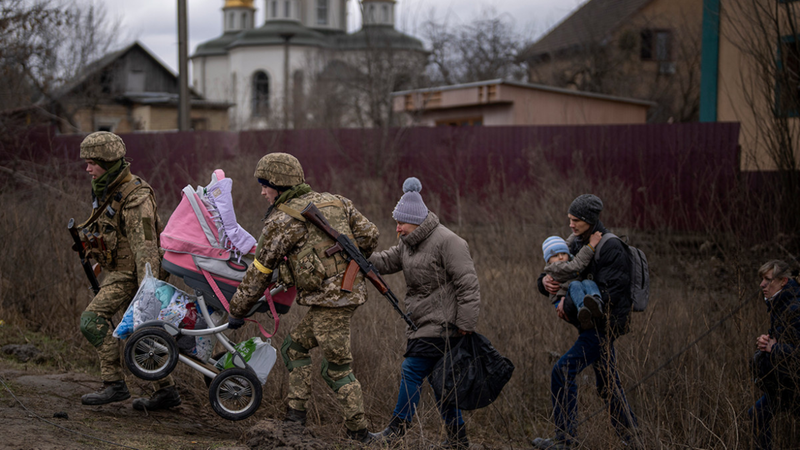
x=260, y=355
x=155, y=300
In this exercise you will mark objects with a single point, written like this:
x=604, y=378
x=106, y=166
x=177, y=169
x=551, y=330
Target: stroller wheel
x=151, y=353
x=235, y=394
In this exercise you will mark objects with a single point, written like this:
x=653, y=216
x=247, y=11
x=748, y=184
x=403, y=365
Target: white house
x=249, y=66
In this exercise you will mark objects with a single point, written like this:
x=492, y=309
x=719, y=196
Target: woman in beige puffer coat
x=442, y=298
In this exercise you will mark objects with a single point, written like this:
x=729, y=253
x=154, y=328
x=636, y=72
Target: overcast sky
x=154, y=22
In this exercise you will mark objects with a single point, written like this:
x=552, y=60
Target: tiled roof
x=591, y=23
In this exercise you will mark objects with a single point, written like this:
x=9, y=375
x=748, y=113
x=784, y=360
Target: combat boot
x=363, y=435
x=295, y=416
x=113, y=391
x=395, y=430
x=161, y=399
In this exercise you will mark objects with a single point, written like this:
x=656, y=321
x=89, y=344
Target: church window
x=260, y=94
x=274, y=9
x=231, y=25
x=322, y=12
x=244, y=20
x=287, y=9
x=371, y=13
x=385, y=13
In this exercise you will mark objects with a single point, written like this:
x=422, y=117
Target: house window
x=787, y=85
x=260, y=94
x=136, y=81
x=274, y=9
x=287, y=9
x=656, y=45
x=199, y=124
x=322, y=12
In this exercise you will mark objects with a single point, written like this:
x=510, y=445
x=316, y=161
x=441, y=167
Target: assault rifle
x=356, y=260
x=87, y=266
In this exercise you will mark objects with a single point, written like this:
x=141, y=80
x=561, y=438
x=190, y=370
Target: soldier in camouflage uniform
x=122, y=236
x=318, y=279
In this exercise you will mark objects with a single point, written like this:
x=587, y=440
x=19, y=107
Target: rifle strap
x=299, y=216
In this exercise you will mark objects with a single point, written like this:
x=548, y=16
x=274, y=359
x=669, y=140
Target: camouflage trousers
x=328, y=328
x=115, y=295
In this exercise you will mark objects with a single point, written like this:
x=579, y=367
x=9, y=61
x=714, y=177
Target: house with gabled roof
x=645, y=49
x=126, y=91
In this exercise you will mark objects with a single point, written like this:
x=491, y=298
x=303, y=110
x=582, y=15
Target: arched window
x=322, y=12
x=231, y=19
x=244, y=21
x=260, y=94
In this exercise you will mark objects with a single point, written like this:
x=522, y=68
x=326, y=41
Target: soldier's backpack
x=640, y=272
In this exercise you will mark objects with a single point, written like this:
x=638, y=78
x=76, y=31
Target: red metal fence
x=671, y=172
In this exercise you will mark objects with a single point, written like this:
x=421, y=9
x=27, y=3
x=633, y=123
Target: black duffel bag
x=472, y=374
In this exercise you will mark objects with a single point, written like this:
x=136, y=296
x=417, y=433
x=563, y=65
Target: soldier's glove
x=235, y=323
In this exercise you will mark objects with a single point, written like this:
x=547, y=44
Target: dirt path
x=42, y=410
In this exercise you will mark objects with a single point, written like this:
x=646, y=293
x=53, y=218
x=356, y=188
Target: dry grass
x=698, y=401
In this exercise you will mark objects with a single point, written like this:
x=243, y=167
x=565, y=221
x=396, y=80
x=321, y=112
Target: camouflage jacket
x=284, y=236
x=129, y=235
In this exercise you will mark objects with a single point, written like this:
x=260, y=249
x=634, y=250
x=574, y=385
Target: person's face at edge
x=578, y=226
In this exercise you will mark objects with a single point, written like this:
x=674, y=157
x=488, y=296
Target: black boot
x=363, y=436
x=395, y=430
x=456, y=437
x=161, y=399
x=295, y=416
x=113, y=391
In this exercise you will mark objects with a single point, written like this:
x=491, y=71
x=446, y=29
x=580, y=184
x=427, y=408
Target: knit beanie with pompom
x=411, y=208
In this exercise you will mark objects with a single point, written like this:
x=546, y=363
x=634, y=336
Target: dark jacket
x=611, y=270
x=784, y=327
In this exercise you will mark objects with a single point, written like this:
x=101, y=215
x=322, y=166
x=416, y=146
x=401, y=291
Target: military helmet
x=103, y=146
x=280, y=169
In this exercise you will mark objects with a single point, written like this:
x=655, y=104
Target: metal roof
x=539, y=87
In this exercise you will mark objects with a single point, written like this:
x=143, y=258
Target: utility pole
x=183, y=70
x=286, y=37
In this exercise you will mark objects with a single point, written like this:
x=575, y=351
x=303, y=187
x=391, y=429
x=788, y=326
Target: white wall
x=211, y=77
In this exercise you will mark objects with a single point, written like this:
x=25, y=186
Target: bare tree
x=45, y=46
x=483, y=49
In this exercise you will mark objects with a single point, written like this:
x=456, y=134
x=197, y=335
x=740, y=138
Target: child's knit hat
x=553, y=246
x=411, y=208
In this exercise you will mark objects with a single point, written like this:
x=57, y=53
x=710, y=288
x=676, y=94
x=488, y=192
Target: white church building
x=262, y=70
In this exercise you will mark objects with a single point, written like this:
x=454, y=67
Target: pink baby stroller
x=206, y=248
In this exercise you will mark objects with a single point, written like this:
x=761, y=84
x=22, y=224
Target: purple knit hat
x=411, y=208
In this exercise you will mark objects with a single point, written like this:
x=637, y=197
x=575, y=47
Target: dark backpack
x=470, y=375
x=640, y=273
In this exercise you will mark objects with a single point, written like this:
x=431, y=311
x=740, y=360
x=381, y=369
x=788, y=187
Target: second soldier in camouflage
x=298, y=247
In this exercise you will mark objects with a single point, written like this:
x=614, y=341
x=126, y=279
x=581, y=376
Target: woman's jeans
x=592, y=348
x=415, y=370
x=580, y=289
